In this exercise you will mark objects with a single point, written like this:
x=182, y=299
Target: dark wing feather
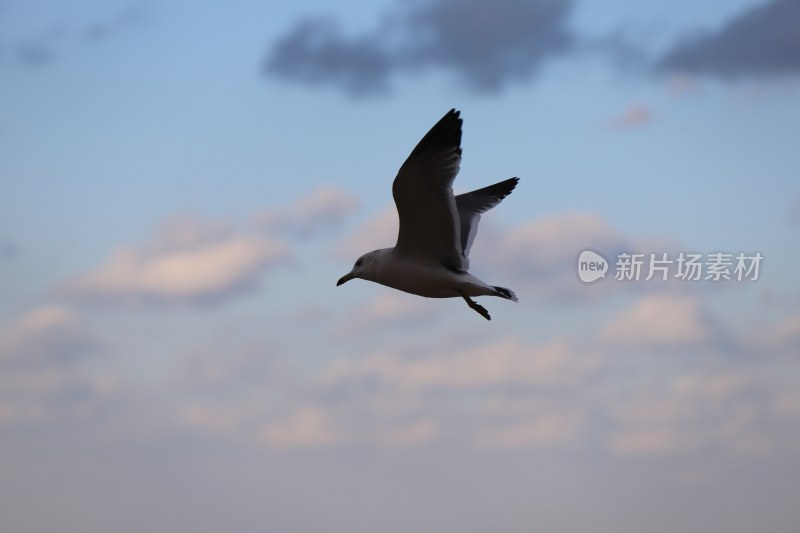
x=423, y=193
x=471, y=205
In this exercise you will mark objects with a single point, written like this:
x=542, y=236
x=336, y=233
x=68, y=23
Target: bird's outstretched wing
x=430, y=229
x=471, y=205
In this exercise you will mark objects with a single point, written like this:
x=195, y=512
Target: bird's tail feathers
x=508, y=294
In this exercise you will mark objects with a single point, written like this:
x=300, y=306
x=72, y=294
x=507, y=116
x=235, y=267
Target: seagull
x=431, y=257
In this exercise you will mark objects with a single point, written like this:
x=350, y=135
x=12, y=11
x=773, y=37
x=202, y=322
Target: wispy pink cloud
x=322, y=210
x=190, y=260
x=41, y=380
x=660, y=320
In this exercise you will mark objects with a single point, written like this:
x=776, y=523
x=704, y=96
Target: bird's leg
x=476, y=306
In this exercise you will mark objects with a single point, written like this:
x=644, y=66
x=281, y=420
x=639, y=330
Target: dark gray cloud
x=485, y=45
x=489, y=43
x=315, y=52
x=763, y=41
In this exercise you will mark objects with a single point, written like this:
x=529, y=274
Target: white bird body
x=431, y=257
x=427, y=279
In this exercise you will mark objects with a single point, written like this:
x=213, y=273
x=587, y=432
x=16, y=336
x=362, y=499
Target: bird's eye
x=358, y=263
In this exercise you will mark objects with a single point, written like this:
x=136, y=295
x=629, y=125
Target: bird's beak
x=345, y=278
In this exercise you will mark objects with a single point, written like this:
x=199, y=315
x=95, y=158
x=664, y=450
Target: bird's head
x=364, y=268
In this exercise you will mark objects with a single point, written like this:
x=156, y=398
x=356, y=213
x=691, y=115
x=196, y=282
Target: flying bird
x=431, y=257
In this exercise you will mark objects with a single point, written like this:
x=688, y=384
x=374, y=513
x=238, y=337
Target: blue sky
x=182, y=184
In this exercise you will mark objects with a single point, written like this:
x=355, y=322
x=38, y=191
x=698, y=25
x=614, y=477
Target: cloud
x=485, y=46
x=413, y=434
x=761, y=41
x=636, y=115
x=41, y=379
x=502, y=363
x=220, y=366
x=49, y=335
x=646, y=441
x=398, y=398
x=315, y=53
x=309, y=427
x=692, y=411
x=781, y=335
x=660, y=320
x=496, y=393
x=377, y=231
x=315, y=427
x=190, y=261
x=390, y=309
x=787, y=332
x=545, y=430
x=322, y=210
x=193, y=260
x=539, y=257
x=489, y=45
